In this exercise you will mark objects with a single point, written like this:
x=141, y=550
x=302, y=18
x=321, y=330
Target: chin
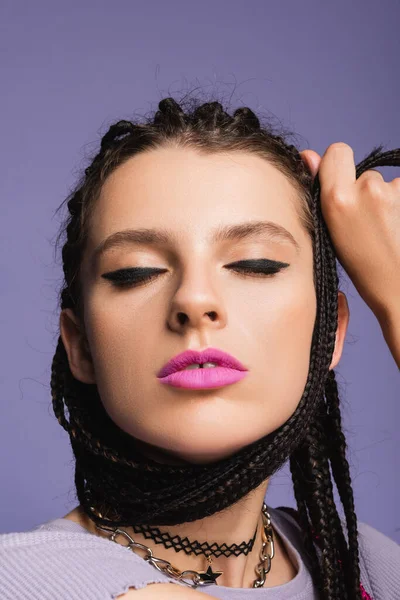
x=207, y=456
x=186, y=450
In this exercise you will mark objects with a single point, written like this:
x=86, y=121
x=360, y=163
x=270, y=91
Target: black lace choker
x=178, y=543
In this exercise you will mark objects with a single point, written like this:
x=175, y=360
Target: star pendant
x=208, y=577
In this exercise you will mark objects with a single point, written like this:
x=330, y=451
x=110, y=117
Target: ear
x=312, y=160
x=76, y=346
x=341, y=330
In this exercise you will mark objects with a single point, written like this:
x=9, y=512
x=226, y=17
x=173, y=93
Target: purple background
x=329, y=71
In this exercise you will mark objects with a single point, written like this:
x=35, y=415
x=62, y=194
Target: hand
x=363, y=219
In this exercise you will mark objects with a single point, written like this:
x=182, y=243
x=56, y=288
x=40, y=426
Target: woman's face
x=264, y=321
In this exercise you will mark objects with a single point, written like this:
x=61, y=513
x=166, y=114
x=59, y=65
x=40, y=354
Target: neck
x=233, y=525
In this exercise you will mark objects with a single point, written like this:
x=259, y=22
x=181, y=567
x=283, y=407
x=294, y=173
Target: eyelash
x=135, y=276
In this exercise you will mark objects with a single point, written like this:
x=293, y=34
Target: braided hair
x=112, y=476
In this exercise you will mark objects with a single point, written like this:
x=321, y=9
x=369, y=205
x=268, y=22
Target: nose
x=183, y=318
x=195, y=318
x=196, y=308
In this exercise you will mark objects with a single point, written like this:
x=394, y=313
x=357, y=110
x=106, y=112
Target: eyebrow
x=235, y=233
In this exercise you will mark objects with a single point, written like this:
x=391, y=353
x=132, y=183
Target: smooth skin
x=166, y=591
x=266, y=322
x=163, y=591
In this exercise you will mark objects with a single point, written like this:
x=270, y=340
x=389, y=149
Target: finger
x=337, y=169
x=312, y=160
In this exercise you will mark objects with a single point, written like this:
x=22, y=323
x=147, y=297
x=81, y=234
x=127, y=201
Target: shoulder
x=379, y=556
x=371, y=538
x=379, y=562
x=40, y=561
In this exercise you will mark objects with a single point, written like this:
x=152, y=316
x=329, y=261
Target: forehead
x=190, y=193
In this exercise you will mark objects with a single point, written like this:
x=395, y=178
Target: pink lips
x=229, y=370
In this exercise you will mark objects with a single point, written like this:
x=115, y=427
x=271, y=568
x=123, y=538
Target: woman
x=200, y=326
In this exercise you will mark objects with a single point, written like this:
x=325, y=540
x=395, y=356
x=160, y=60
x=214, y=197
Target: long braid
x=341, y=472
x=317, y=494
x=112, y=476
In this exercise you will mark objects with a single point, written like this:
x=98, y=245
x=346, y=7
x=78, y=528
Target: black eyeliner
x=260, y=263
x=140, y=274
x=136, y=272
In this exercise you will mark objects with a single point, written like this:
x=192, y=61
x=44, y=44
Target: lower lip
x=202, y=379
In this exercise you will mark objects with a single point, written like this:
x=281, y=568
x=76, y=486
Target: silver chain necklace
x=200, y=578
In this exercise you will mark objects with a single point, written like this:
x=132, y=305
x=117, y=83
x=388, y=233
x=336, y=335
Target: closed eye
x=259, y=266
x=135, y=276
x=132, y=276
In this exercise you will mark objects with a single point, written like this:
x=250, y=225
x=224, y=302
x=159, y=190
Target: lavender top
x=60, y=559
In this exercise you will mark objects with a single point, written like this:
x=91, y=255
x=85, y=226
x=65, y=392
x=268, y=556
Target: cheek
x=123, y=348
x=284, y=320
x=292, y=333
x=114, y=328
x=284, y=341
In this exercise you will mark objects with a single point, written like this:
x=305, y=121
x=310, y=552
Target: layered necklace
x=198, y=578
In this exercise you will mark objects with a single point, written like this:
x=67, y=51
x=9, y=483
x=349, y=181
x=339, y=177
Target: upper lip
x=189, y=357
